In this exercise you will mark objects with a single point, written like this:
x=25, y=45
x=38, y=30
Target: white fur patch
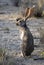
x=22, y=34
x=21, y=54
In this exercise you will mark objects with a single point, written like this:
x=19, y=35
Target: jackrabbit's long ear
x=29, y=12
x=26, y=11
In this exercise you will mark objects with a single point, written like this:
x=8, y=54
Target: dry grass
x=1, y=54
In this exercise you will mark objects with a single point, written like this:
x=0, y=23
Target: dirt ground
x=10, y=40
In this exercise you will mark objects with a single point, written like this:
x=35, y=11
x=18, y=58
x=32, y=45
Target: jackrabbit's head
x=20, y=22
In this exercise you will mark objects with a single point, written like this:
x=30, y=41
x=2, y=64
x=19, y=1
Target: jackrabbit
x=26, y=37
